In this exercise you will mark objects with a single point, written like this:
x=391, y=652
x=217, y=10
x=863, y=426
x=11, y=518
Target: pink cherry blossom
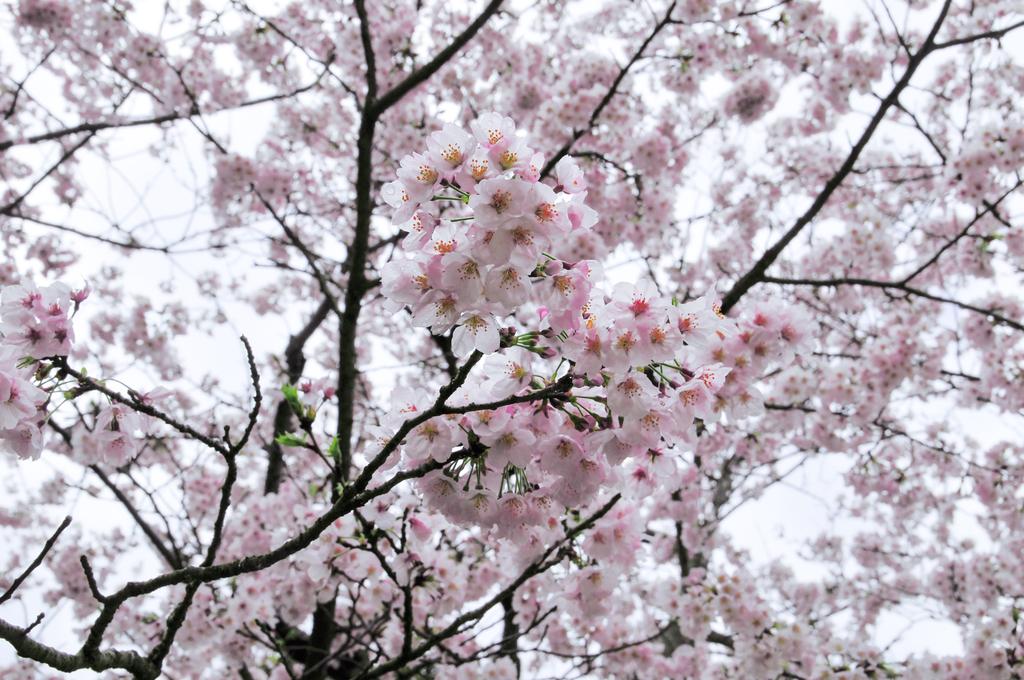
x=701, y=323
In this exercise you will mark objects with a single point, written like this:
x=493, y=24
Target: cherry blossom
x=511, y=340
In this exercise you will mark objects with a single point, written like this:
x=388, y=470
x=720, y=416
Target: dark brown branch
x=171, y=556
x=130, y=243
x=358, y=249
x=994, y=34
x=924, y=133
x=355, y=496
x=444, y=343
x=990, y=207
x=326, y=63
x=90, y=649
x=295, y=361
x=101, y=661
x=368, y=55
x=138, y=405
x=547, y=559
x=177, y=617
x=895, y=285
x=395, y=94
x=509, y=645
x=756, y=273
x=309, y=255
x=10, y=208
x=257, y=397
x=21, y=84
x=36, y=562
x=90, y=578
x=609, y=95
x=99, y=126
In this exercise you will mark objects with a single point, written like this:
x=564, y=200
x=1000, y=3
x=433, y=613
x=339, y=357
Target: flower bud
x=79, y=296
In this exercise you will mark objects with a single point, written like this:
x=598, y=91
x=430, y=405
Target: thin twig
x=36, y=562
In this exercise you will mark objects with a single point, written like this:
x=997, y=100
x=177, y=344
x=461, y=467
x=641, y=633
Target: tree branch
x=609, y=95
x=896, y=285
x=756, y=273
x=16, y=583
x=395, y=94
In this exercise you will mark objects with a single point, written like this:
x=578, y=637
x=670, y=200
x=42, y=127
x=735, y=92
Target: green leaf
x=291, y=395
x=291, y=439
x=26, y=361
x=334, y=449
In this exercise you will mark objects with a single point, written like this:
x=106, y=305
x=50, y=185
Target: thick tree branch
x=421, y=75
x=756, y=273
x=28, y=648
x=138, y=405
x=994, y=34
x=355, y=496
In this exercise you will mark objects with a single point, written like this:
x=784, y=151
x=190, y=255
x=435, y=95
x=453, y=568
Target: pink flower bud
x=79, y=296
x=419, y=528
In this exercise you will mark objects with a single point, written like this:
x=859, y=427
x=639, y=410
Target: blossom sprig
x=36, y=337
x=645, y=371
x=467, y=270
x=35, y=323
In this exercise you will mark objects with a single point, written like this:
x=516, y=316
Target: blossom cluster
x=751, y=97
x=637, y=372
x=112, y=439
x=46, y=14
x=470, y=269
x=20, y=403
x=34, y=323
x=993, y=151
